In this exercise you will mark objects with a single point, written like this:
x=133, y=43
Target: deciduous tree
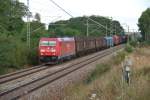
x=144, y=24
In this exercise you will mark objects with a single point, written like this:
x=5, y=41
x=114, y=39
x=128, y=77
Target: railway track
x=22, y=73
x=18, y=92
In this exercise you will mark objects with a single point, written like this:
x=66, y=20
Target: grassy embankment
x=106, y=80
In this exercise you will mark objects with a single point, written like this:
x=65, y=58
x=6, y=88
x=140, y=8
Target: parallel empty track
x=22, y=73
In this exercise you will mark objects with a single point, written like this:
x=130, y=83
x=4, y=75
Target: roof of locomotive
x=57, y=39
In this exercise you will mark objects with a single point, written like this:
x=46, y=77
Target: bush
x=134, y=43
x=99, y=70
x=3, y=70
x=13, y=52
x=33, y=56
x=145, y=43
x=144, y=71
x=129, y=48
x=119, y=58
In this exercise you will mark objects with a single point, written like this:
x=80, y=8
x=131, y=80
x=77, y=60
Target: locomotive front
x=48, y=50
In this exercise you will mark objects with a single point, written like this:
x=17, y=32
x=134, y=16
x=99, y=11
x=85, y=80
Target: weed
x=110, y=86
x=100, y=69
x=119, y=58
x=134, y=43
x=145, y=43
x=4, y=70
x=129, y=48
x=145, y=71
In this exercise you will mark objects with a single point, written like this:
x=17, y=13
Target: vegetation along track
x=24, y=89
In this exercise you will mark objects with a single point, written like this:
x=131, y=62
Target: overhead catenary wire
x=88, y=18
x=98, y=24
x=61, y=8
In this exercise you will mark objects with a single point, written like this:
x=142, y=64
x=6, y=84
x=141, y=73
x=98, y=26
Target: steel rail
x=20, y=71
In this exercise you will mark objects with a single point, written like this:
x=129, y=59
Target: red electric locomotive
x=53, y=50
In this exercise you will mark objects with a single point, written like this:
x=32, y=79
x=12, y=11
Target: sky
x=126, y=12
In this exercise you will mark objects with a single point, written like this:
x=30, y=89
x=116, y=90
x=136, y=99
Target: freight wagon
x=116, y=40
x=109, y=41
x=84, y=45
x=100, y=43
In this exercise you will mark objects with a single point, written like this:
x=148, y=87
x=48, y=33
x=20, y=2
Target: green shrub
x=33, y=56
x=144, y=71
x=99, y=70
x=145, y=43
x=129, y=48
x=134, y=43
x=3, y=70
x=120, y=57
x=13, y=52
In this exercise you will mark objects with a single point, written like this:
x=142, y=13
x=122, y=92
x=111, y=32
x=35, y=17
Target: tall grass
x=99, y=70
x=110, y=86
x=129, y=48
x=5, y=70
x=119, y=57
x=83, y=91
x=145, y=43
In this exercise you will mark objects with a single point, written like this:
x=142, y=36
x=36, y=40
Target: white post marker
x=127, y=69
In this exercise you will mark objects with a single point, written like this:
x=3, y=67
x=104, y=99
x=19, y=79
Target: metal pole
x=28, y=25
x=111, y=23
x=128, y=28
x=87, y=30
x=115, y=30
x=133, y=35
x=111, y=27
x=106, y=29
x=128, y=33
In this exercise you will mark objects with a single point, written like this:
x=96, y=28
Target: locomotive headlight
x=52, y=50
x=42, y=50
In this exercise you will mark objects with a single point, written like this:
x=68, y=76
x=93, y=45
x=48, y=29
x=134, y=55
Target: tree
x=11, y=13
x=12, y=52
x=78, y=26
x=144, y=24
x=37, y=17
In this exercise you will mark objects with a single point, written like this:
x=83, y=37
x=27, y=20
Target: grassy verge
x=140, y=86
x=106, y=83
x=129, y=48
x=99, y=70
x=5, y=70
x=96, y=82
x=145, y=43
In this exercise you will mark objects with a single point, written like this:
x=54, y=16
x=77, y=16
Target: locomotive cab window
x=48, y=43
x=52, y=43
x=44, y=43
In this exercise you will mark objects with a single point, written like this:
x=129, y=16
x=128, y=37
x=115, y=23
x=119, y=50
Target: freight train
x=54, y=50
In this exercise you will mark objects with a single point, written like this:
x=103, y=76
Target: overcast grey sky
x=125, y=11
